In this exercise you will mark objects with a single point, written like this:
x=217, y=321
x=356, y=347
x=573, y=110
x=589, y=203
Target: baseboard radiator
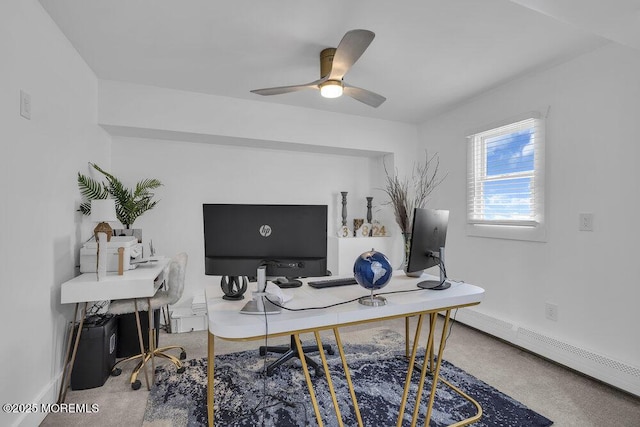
x=603, y=368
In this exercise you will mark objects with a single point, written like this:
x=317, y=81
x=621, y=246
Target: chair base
x=146, y=357
x=291, y=352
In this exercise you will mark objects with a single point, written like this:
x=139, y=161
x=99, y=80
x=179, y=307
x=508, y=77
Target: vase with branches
x=410, y=192
x=130, y=203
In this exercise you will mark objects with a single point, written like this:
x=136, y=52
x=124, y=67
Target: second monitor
x=428, y=235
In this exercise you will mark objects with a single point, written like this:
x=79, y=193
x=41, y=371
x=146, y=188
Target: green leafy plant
x=130, y=203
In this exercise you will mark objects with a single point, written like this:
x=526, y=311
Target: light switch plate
x=25, y=105
x=586, y=222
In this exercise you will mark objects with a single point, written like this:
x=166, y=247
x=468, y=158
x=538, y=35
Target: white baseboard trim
x=601, y=367
x=47, y=396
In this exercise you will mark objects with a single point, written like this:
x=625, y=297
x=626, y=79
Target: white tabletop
x=137, y=283
x=226, y=321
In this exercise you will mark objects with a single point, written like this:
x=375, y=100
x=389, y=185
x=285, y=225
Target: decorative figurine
x=357, y=223
x=344, y=207
x=369, y=216
x=233, y=287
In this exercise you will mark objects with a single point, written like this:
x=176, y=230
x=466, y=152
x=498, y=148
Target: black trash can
x=96, y=353
x=128, y=343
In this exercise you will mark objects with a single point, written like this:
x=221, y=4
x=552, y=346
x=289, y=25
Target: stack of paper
x=199, y=304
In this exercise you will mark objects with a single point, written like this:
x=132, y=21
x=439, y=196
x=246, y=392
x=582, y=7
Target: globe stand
x=373, y=300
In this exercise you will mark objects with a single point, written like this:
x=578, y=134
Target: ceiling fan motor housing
x=326, y=60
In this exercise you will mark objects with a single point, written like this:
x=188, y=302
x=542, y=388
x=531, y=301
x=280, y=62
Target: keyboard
x=329, y=283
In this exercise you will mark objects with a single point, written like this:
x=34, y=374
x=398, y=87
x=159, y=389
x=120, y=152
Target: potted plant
x=130, y=203
x=408, y=193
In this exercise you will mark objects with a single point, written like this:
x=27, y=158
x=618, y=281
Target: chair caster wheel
x=262, y=351
x=181, y=369
x=115, y=372
x=183, y=355
x=136, y=384
x=331, y=352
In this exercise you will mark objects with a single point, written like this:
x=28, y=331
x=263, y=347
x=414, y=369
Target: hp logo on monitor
x=265, y=230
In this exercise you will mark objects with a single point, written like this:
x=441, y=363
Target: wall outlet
x=586, y=222
x=551, y=311
x=25, y=105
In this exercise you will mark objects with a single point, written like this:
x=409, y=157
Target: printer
x=89, y=253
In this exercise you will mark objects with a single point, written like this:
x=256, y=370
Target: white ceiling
x=428, y=55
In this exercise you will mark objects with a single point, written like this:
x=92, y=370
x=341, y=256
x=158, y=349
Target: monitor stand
x=260, y=305
x=437, y=285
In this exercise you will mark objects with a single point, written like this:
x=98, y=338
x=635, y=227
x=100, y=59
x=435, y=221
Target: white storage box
x=183, y=320
x=88, y=254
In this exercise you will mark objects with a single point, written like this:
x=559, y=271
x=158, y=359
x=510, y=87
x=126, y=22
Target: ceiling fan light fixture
x=331, y=89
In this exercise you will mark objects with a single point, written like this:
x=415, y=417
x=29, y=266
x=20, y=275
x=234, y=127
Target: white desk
x=141, y=282
x=136, y=283
x=225, y=321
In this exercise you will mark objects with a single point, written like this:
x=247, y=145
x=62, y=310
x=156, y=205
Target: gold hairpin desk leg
x=406, y=337
x=436, y=373
x=425, y=367
x=142, y=351
x=347, y=376
x=305, y=369
x=434, y=368
x=152, y=339
x=210, y=373
x=412, y=359
x=68, y=364
x=327, y=375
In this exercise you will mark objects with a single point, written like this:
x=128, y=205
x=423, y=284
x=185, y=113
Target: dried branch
x=424, y=179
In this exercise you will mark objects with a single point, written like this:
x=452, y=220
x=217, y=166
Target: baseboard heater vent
x=579, y=354
x=610, y=371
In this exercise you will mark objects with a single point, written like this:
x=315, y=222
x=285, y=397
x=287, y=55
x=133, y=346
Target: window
x=506, y=180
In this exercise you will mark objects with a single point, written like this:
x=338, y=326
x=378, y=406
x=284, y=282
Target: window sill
x=532, y=234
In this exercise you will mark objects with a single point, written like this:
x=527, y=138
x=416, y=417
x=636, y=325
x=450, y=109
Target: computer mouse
x=284, y=283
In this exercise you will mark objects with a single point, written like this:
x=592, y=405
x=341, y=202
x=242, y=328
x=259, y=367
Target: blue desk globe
x=372, y=270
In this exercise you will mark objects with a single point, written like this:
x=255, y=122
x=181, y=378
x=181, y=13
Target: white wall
x=593, y=149
x=207, y=148
x=41, y=229
x=197, y=173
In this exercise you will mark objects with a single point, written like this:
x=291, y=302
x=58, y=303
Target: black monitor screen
x=291, y=240
x=428, y=236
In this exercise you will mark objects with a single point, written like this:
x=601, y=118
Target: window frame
x=533, y=229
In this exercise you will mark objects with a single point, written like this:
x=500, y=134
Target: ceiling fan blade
x=287, y=89
x=365, y=96
x=351, y=47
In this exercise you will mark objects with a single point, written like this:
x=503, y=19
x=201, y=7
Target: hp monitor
x=288, y=240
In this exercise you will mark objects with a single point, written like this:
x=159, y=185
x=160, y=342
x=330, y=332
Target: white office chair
x=174, y=288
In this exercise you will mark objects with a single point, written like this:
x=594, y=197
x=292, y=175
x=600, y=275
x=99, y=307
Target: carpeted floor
x=246, y=397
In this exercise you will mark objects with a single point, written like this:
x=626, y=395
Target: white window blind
x=505, y=174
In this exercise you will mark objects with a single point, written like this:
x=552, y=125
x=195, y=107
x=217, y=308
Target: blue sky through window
x=509, y=153
x=508, y=197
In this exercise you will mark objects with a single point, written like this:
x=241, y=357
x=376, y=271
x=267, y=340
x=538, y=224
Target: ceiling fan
x=334, y=64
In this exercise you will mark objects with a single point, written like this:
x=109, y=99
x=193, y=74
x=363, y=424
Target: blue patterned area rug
x=244, y=396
